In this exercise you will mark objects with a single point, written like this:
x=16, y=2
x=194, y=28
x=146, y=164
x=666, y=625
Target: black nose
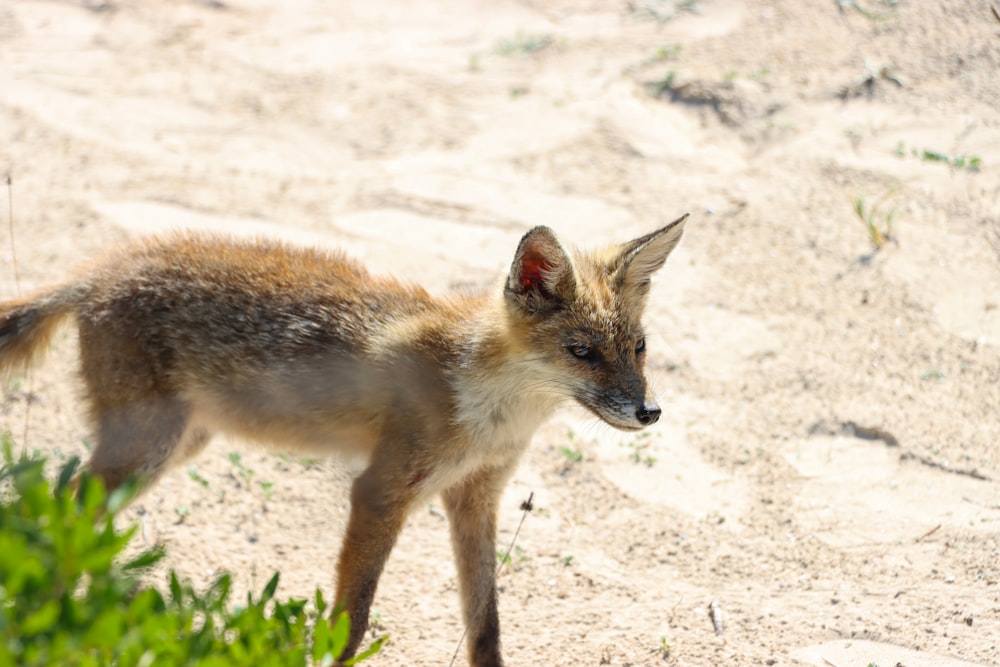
x=648, y=413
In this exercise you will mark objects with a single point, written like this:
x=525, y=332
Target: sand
x=826, y=469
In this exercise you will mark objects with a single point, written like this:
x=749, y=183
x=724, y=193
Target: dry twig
x=927, y=534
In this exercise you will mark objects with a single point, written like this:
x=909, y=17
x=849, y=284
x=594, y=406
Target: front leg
x=379, y=504
x=472, y=508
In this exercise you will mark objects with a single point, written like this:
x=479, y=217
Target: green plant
x=571, y=454
x=193, y=474
x=885, y=8
x=970, y=162
x=304, y=461
x=245, y=474
x=663, y=10
x=66, y=599
x=523, y=44
x=879, y=225
x=664, y=647
x=667, y=52
x=375, y=620
x=663, y=86
x=873, y=75
x=638, y=447
x=505, y=558
x=960, y=161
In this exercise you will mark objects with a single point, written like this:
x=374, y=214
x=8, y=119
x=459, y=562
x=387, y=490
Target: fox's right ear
x=541, y=277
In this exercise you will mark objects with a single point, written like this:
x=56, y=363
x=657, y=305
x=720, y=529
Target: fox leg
x=472, y=507
x=140, y=439
x=140, y=422
x=379, y=504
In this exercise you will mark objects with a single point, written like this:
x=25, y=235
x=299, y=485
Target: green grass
x=878, y=223
x=194, y=475
x=245, y=474
x=667, y=52
x=662, y=86
x=638, y=450
x=876, y=10
x=664, y=647
x=935, y=374
x=958, y=161
x=663, y=11
x=523, y=44
x=512, y=559
x=571, y=454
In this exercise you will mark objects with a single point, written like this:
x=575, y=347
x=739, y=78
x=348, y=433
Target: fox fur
x=189, y=335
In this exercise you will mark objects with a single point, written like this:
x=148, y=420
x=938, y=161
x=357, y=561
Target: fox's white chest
x=499, y=416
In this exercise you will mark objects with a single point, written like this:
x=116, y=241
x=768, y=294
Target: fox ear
x=639, y=259
x=541, y=277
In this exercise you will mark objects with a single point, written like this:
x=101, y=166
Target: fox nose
x=648, y=413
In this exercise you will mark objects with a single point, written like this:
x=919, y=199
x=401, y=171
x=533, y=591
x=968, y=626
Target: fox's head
x=582, y=318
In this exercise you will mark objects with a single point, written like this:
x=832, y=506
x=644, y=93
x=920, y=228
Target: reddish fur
x=187, y=335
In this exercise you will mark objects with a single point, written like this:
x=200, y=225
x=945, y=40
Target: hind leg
x=140, y=439
x=141, y=422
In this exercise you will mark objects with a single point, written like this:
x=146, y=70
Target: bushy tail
x=27, y=325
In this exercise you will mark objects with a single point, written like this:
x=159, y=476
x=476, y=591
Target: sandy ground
x=827, y=467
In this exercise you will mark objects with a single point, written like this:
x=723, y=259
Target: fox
x=190, y=334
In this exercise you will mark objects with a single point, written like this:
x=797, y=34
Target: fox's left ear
x=639, y=259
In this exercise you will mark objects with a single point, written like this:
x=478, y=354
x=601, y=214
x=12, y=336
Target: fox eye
x=640, y=346
x=581, y=351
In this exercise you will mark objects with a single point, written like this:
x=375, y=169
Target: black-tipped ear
x=640, y=258
x=541, y=277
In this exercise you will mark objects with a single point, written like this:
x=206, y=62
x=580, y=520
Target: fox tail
x=27, y=325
